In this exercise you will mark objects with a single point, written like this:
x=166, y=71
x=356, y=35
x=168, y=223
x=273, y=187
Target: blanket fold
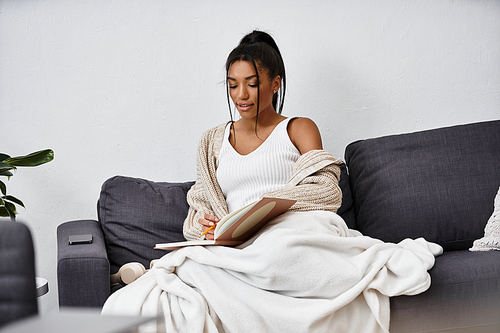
x=303, y=272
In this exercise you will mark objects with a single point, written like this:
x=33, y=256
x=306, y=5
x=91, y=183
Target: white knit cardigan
x=314, y=183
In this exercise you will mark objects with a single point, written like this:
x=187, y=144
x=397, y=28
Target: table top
x=77, y=321
x=42, y=286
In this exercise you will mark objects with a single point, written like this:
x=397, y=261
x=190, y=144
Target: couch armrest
x=82, y=269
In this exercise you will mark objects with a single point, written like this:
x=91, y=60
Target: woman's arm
x=205, y=196
x=198, y=207
x=305, y=135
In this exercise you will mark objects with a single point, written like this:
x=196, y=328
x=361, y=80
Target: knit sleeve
x=205, y=196
x=315, y=185
x=198, y=207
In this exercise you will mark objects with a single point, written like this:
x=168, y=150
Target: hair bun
x=257, y=37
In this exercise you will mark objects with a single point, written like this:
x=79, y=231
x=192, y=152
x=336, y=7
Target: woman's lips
x=244, y=106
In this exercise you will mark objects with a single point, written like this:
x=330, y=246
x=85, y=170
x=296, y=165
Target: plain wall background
x=127, y=87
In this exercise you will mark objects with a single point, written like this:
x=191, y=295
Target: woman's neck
x=264, y=121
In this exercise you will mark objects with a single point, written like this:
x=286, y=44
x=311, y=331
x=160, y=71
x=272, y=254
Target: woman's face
x=243, y=89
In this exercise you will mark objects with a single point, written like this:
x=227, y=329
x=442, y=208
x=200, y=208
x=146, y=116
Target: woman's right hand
x=207, y=222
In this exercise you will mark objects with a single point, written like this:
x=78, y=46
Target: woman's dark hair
x=260, y=48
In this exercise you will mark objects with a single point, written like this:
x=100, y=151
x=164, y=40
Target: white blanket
x=304, y=272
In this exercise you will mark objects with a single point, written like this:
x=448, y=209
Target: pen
x=205, y=232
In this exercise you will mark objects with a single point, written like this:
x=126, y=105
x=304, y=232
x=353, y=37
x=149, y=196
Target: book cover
x=238, y=226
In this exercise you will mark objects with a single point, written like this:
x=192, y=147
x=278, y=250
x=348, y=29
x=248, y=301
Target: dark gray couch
x=437, y=184
x=17, y=273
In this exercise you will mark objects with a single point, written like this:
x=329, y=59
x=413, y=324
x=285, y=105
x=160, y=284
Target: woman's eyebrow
x=247, y=78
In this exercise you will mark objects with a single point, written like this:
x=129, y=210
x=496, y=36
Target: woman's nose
x=242, y=93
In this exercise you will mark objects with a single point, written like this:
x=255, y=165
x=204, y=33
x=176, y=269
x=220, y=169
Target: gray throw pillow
x=435, y=184
x=136, y=214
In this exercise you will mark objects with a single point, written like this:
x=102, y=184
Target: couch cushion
x=346, y=210
x=437, y=184
x=464, y=296
x=136, y=214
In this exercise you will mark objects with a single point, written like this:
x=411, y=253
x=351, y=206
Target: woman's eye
x=253, y=85
x=233, y=87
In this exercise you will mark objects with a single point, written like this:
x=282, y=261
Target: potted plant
x=7, y=165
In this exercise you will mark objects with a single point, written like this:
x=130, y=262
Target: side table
x=42, y=286
x=79, y=321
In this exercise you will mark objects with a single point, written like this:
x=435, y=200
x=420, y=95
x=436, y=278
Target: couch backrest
x=438, y=184
x=136, y=214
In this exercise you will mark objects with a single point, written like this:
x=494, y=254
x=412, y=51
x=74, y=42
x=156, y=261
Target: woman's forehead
x=244, y=69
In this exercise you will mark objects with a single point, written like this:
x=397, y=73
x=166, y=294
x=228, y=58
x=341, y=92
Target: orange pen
x=206, y=231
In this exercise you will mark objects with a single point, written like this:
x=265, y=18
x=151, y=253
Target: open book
x=238, y=226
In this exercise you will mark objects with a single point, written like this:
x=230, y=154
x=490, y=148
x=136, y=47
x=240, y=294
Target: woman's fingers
x=208, y=223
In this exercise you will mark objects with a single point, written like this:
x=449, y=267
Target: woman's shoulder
x=211, y=140
x=302, y=123
x=214, y=132
x=304, y=134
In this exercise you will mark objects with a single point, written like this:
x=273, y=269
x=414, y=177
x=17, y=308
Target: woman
x=305, y=271
x=241, y=161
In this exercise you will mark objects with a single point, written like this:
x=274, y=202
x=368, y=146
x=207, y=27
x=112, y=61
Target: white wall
x=126, y=87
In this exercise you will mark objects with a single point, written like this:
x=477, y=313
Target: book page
x=252, y=220
x=240, y=225
x=231, y=218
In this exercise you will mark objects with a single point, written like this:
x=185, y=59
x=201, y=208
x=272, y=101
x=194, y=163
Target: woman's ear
x=276, y=84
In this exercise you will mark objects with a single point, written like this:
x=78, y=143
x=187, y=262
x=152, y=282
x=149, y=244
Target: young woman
x=304, y=271
x=256, y=155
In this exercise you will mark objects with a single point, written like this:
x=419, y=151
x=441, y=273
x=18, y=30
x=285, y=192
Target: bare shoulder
x=304, y=134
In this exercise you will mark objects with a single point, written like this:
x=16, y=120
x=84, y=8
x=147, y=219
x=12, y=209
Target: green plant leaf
x=14, y=200
x=3, y=188
x=4, y=212
x=8, y=202
x=5, y=167
x=7, y=209
x=33, y=159
x=7, y=174
x=11, y=210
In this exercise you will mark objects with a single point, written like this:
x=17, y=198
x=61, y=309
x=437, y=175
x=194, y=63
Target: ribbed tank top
x=244, y=178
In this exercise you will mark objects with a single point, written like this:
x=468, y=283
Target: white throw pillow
x=491, y=239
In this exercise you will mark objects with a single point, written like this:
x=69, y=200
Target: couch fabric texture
x=17, y=273
x=432, y=183
x=132, y=223
x=438, y=184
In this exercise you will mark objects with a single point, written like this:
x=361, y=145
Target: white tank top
x=244, y=178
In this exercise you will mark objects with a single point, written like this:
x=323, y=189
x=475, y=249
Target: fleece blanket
x=304, y=272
